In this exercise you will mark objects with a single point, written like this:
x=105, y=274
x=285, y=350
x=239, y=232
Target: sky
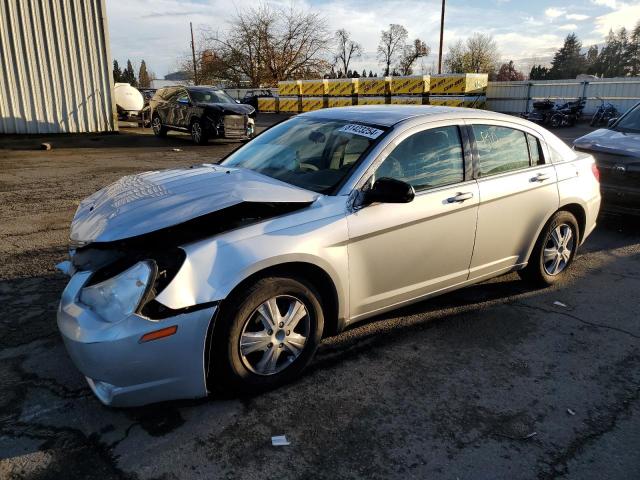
x=526, y=31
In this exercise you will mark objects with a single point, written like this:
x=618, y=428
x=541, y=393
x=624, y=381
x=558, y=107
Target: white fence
x=514, y=97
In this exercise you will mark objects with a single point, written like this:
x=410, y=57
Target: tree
x=144, y=80
x=266, y=44
x=613, y=59
x=349, y=74
x=478, y=54
x=370, y=74
x=568, y=62
x=410, y=54
x=508, y=72
x=364, y=73
x=592, y=60
x=633, y=52
x=128, y=75
x=346, y=48
x=391, y=46
x=538, y=72
x=117, y=73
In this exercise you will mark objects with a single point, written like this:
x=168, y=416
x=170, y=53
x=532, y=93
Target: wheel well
x=577, y=211
x=310, y=273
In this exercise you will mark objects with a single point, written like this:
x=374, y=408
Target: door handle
x=460, y=197
x=541, y=177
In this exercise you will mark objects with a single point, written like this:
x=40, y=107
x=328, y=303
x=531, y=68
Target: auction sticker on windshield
x=356, y=129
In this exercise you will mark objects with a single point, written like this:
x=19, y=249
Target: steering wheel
x=308, y=167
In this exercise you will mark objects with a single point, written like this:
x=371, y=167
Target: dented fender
x=213, y=267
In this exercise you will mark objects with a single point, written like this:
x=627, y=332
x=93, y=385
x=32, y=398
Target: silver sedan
x=231, y=274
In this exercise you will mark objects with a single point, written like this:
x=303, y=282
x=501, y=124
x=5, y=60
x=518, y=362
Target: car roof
x=389, y=115
x=202, y=87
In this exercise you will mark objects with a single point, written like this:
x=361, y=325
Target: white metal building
x=55, y=67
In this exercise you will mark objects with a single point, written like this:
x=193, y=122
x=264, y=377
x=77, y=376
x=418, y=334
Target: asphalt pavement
x=494, y=381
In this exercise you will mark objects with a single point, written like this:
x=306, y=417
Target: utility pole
x=441, y=37
x=193, y=52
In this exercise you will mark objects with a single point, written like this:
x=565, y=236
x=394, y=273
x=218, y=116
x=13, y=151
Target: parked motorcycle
x=606, y=111
x=547, y=112
x=567, y=114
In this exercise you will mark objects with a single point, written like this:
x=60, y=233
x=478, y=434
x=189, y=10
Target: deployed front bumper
x=124, y=372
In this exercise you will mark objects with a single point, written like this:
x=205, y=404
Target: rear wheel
x=199, y=133
x=267, y=334
x=554, y=251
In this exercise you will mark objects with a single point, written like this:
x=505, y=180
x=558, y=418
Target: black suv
x=205, y=112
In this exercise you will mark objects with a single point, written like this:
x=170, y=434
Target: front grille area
x=235, y=126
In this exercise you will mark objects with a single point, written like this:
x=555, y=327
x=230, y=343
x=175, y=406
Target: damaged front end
x=126, y=247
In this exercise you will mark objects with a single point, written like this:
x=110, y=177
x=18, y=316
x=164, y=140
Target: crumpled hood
x=228, y=108
x=146, y=202
x=609, y=141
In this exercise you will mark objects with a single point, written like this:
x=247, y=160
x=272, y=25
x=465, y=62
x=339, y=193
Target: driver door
x=403, y=251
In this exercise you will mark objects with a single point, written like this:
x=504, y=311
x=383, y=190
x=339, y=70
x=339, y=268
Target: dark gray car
x=205, y=112
x=617, y=153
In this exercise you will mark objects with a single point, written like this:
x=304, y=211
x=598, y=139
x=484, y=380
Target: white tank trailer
x=129, y=101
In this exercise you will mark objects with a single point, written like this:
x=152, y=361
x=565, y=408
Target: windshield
x=314, y=154
x=210, y=96
x=630, y=122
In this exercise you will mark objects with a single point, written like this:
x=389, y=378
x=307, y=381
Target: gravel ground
x=492, y=381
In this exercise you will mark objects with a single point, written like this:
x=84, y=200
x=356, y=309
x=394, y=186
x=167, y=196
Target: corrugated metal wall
x=518, y=96
x=55, y=67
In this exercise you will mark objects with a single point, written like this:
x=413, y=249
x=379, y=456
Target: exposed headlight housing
x=118, y=297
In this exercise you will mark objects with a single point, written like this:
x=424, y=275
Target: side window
x=182, y=96
x=500, y=149
x=535, y=151
x=426, y=159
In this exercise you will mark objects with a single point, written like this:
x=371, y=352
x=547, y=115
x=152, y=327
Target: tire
x=243, y=346
x=159, y=130
x=556, y=121
x=198, y=132
x=594, y=119
x=542, y=273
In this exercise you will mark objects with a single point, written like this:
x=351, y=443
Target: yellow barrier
x=371, y=100
x=289, y=87
x=412, y=100
x=459, y=84
x=313, y=88
x=373, y=86
x=458, y=101
x=289, y=104
x=342, y=87
x=339, y=102
x=267, y=104
x=312, y=103
x=410, y=85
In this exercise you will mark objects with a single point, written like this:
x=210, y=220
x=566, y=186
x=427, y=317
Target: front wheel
x=199, y=133
x=595, y=119
x=267, y=334
x=554, y=250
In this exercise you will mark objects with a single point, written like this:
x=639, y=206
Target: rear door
x=518, y=193
x=181, y=109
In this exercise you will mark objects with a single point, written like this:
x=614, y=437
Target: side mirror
x=389, y=190
x=612, y=121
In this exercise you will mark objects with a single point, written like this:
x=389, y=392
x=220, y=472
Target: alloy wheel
x=558, y=249
x=196, y=132
x=156, y=125
x=271, y=340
